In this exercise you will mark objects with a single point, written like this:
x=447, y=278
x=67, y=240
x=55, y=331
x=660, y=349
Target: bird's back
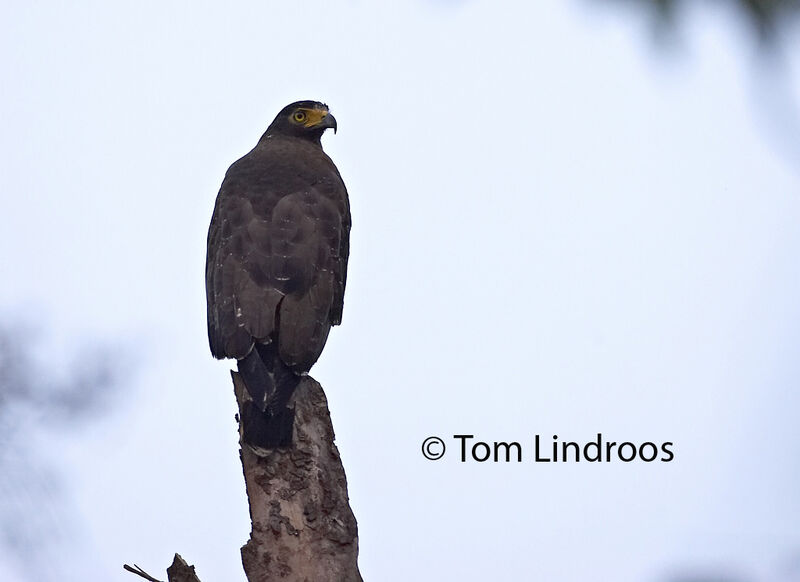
x=277, y=252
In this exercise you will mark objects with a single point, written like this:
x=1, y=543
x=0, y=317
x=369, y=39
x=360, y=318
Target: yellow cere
x=309, y=117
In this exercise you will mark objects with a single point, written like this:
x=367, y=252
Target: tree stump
x=303, y=529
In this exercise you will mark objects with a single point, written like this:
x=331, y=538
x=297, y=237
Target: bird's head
x=303, y=119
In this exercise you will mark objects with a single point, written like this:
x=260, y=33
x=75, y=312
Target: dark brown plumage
x=277, y=254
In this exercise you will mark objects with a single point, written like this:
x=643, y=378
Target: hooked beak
x=328, y=122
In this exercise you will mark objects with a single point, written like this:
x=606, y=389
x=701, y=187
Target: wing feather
x=277, y=256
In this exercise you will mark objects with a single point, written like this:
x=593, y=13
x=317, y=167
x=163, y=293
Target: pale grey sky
x=559, y=228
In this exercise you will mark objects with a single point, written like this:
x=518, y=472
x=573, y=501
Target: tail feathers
x=267, y=421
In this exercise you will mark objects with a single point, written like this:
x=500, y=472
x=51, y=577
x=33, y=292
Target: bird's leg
x=258, y=378
x=268, y=420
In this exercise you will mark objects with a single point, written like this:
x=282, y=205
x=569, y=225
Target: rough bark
x=303, y=529
x=180, y=571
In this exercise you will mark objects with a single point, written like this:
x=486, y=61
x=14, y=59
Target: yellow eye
x=299, y=116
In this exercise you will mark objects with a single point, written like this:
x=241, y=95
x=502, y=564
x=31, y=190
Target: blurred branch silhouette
x=772, y=95
x=38, y=400
x=766, y=16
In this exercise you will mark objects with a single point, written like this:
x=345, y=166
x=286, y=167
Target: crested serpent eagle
x=277, y=265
